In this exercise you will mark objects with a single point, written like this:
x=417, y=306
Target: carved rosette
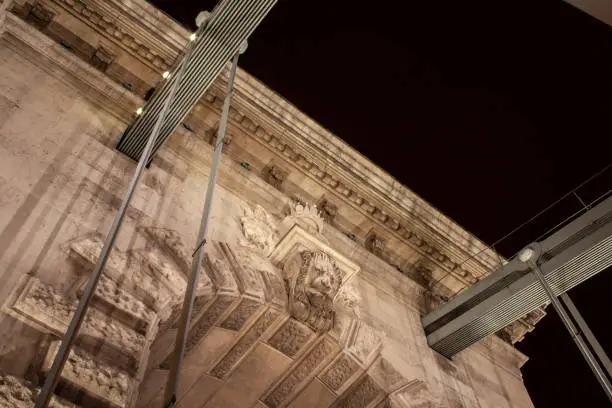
x=313, y=285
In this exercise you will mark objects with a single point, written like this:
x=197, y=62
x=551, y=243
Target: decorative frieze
x=123, y=305
x=87, y=372
x=109, y=27
x=239, y=316
x=202, y=324
x=291, y=337
x=43, y=307
x=340, y=371
x=302, y=372
x=362, y=394
x=227, y=363
x=172, y=241
x=18, y=393
x=151, y=290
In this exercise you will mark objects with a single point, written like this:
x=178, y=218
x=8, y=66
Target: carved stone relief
x=240, y=314
x=349, y=299
x=202, y=324
x=365, y=392
x=249, y=266
x=45, y=308
x=173, y=242
x=17, y=393
x=88, y=372
x=291, y=337
x=328, y=210
x=39, y=16
x=275, y=176
x=220, y=270
x=416, y=395
x=306, y=216
x=375, y=244
x=227, y=363
x=259, y=229
x=340, y=371
x=365, y=343
x=313, y=286
x=102, y=59
x=302, y=372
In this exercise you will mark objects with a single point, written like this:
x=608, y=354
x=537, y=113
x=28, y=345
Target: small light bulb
x=139, y=111
x=193, y=37
x=166, y=74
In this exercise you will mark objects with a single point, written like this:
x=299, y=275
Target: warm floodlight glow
x=139, y=111
x=166, y=74
x=193, y=37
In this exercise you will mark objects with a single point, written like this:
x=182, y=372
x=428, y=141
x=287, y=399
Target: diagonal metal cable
x=540, y=213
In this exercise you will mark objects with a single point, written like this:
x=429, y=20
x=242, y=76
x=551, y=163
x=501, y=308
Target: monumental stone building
x=318, y=267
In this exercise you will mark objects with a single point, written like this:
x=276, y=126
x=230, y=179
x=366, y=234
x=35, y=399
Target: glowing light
x=193, y=37
x=139, y=111
x=166, y=74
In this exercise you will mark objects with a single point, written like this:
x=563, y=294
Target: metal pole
x=53, y=376
x=575, y=334
x=588, y=334
x=183, y=329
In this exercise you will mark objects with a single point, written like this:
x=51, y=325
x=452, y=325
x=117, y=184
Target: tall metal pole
x=172, y=384
x=575, y=334
x=588, y=334
x=62, y=355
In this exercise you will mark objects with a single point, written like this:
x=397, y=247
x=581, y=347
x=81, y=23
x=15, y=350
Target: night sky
x=490, y=111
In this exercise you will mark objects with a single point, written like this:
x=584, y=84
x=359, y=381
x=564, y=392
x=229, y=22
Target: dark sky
x=489, y=110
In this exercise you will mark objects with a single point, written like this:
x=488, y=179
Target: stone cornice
x=142, y=30
x=148, y=34
x=319, y=154
x=100, y=89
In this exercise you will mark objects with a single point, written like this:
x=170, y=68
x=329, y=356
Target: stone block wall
x=61, y=182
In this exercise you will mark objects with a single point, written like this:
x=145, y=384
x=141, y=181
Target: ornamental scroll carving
x=314, y=281
x=259, y=229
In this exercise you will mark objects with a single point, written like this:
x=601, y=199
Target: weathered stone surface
x=339, y=372
x=301, y=372
x=245, y=343
x=240, y=314
x=94, y=376
x=17, y=393
x=259, y=229
x=313, y=285
x=45, y=306
x=364, y=393
x=60, y=118
x=291, y=337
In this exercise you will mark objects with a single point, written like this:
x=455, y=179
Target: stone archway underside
x=245, y=349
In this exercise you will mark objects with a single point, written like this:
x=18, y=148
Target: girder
x=230, y=24
x=568, y=257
